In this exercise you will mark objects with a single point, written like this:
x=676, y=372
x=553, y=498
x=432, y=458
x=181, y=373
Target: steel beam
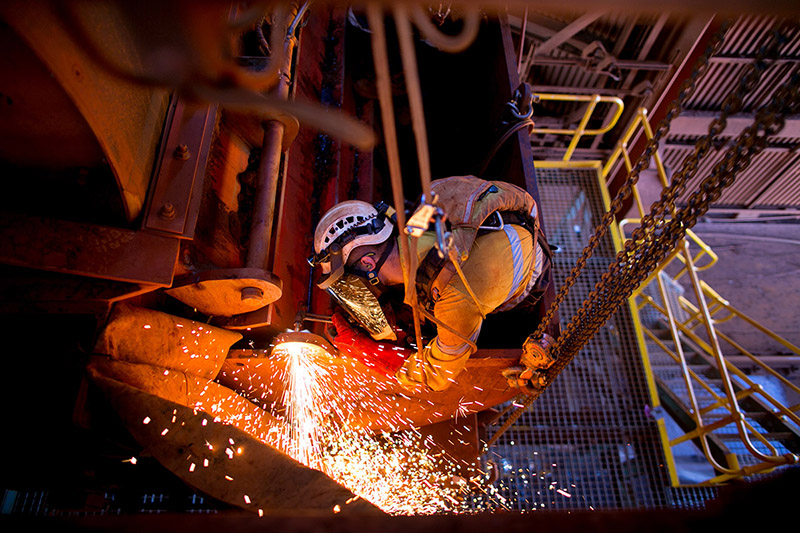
x=87, y=249
x=567, y=32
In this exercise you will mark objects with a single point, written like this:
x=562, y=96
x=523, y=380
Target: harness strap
x=454, y=262
x=427, y=314
x=435, y=273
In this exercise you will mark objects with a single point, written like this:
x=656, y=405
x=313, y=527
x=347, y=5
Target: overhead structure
x=169, y=162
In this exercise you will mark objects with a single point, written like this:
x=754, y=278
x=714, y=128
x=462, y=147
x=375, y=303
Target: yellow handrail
x=581, y=130
x=736, y=384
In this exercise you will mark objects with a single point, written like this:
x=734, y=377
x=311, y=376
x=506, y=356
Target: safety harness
x=475, y=207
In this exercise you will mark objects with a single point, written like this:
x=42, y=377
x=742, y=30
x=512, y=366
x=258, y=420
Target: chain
x=636, y=254
x=650, y=244
x=687, y=89
x=656, y=237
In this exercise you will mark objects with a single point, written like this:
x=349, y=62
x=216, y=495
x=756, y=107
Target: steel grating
x=589, y=442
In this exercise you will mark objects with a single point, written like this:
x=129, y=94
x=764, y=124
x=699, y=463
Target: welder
x=498, y=260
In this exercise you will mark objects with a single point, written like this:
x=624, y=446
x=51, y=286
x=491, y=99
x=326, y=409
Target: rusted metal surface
x=374, y=402
x=174, y=204
x=269, y=171
x=64, y=295
x=250, y=127
x=460, y=439
x=222, y=292
x=245, y=290
x=224, y=461
x=125, y=118
x=41, y=127
x=87, y=249
x=174, y=208
x=264, y=316
x=139, y=335
x=193, y=392
x=157, y=376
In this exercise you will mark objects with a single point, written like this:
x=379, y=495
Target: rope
x=380, y=58
x=409, y=56
x=411, y=72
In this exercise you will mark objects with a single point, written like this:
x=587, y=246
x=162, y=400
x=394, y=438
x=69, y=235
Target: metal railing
x=581, y=131
x=723, y=386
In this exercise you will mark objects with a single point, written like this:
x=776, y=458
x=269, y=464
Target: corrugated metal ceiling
x=647, y=44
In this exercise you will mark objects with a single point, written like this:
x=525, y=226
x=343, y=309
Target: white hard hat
x=363, y=222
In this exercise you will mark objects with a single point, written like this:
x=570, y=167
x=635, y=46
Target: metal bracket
x=420, y=221
x=177, y=188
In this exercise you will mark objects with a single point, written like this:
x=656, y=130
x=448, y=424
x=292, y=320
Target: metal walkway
x=590, y=441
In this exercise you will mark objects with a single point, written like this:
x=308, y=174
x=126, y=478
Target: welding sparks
x=462, y=409
x=399, y=472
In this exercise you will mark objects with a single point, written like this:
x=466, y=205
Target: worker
x=499, y=261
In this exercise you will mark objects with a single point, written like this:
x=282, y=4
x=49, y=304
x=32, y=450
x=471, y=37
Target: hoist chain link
x=636, y=254
x=687, y=89
x=657, y=236
x=629, y=274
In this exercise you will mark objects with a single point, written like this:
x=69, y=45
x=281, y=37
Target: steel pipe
x=260, y=241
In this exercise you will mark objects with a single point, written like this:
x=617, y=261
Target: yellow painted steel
x=581, y=131
x=706, y=314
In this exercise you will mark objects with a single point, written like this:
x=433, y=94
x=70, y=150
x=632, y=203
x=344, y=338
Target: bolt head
x=167, y=211
x=252, y=293
x=181, y=152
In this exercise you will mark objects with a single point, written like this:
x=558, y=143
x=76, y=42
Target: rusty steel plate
x=174, y=205
x=374, y=402
x=87, y=249
x=223, y=461
x=138, y=335
x=228, y=292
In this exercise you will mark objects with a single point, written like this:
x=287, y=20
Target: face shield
x=356, y=294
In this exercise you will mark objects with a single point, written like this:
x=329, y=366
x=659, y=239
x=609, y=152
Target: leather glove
x=383, y=357
x=535, y=357
x=529, y=384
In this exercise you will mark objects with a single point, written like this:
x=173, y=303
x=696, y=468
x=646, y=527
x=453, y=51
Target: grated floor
x=588, y=442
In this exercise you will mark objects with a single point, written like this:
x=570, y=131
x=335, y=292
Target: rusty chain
x=687, y=89
x=650, y=243
x=636, y=252
x=656, y=236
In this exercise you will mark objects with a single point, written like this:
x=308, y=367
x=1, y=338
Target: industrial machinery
x=166, y=165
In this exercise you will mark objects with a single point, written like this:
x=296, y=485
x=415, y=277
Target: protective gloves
x=535, y=357
x=529, y=385
x=383, y=357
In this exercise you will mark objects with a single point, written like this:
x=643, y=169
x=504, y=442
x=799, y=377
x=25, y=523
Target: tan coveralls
x=501, y=271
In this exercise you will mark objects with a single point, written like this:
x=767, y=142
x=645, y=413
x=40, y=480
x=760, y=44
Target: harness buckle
x=500, y=224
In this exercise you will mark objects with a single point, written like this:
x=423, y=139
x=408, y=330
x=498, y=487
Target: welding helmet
x=343, y=228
